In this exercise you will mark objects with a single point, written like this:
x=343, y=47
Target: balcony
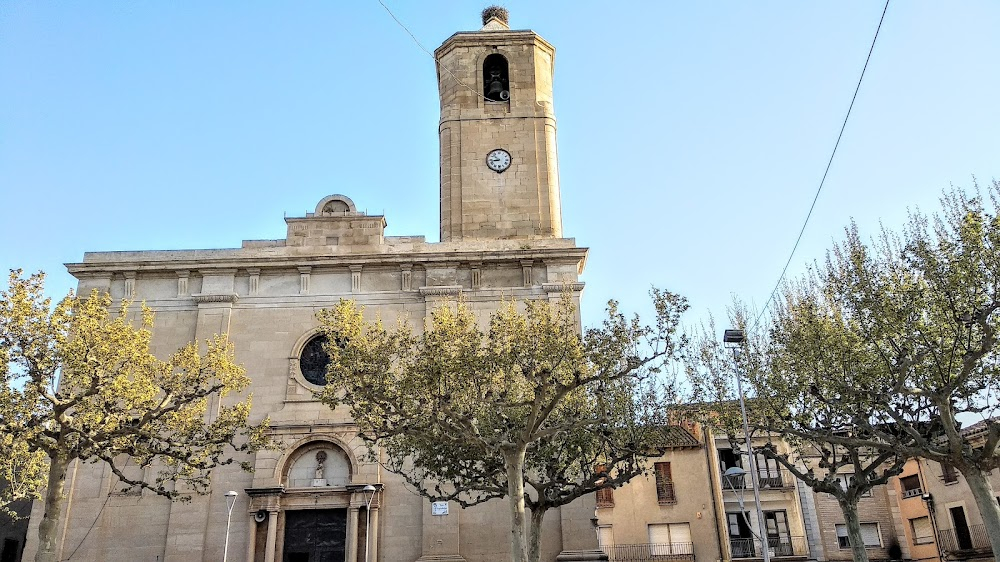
x=779, y=547
x=773, y=479
x=966, y=542
x=649, y=552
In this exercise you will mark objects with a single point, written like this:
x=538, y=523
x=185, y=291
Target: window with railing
x=964, y=538
x=911, y=486
x=664, y=483
x=670, y=539
x=777, y=547
x=649, y=552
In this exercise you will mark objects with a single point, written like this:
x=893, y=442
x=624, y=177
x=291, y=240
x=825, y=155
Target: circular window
x=314, y=360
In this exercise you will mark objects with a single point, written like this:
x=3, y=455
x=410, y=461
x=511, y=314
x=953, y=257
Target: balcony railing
x=778, y=547
x=976, y=538
x=769, y=479
x=649, y=552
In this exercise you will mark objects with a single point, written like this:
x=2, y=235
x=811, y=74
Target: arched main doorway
x=317, y=509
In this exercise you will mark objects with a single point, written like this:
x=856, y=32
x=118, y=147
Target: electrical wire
x=424, y=49
x=98, y=516
x=822, y=181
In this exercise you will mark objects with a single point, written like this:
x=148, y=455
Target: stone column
x=252, y=540
x=272, y=536
x=352, y=534
x=373, y=535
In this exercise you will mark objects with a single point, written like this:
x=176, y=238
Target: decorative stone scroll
x=575, y=286
x=441, y=291
x=230, y=298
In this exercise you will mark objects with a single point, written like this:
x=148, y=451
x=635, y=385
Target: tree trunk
x=47, y=548
x=513, y=458
x=535, y=534
x=850, y=510
x=982, y=491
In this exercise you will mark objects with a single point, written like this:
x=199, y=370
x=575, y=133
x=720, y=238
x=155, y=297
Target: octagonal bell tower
x=499, y=171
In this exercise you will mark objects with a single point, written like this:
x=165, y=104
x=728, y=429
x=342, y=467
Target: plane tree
x=80, y=384
x=527, y=408
x=808, y=379
x=895, y=341
x=927, y=303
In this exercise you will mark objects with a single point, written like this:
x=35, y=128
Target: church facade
x=320, y=498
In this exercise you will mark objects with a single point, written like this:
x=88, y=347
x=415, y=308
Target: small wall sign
x=439, y=508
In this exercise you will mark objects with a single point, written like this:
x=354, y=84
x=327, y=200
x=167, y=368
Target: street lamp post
x=728, y=476
x=734, y=339
x=230, y=503
x=368, y=489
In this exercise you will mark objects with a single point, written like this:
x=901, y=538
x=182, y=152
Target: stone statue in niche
x=318, y=478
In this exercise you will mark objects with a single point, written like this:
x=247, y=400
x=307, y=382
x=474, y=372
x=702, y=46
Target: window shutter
x=948, y=473
x=659, y=533
x=606, y=497
x=604, y=536
x=922, y=531
x=680, y=538
x=664, y=483
x=659, y=539
x=869, y=532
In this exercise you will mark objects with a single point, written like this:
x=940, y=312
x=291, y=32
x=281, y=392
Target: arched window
x=314, y=360
x=496, y=80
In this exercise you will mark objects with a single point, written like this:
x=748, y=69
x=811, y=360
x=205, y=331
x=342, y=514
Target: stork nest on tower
x=498, y=12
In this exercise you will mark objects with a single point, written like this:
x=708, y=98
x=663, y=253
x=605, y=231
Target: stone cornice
x=268, y=491
x=502, y=38
x=176, y=260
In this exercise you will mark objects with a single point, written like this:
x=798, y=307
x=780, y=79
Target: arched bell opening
x=496, y=79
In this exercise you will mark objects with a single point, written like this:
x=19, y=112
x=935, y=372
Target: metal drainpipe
x=930, y=510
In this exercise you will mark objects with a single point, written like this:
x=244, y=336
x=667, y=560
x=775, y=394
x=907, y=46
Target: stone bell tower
x=499, y=171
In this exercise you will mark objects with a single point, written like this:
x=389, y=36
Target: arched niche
x=318, y=463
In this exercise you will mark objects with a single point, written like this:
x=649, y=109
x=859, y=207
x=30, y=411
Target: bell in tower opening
x=495, y=78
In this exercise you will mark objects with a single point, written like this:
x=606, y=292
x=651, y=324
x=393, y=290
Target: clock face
x=498, y=160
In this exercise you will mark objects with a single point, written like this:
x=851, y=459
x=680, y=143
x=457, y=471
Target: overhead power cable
x=822, y=181
x=424, y=49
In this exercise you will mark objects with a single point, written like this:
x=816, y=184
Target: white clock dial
x=498, y=160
